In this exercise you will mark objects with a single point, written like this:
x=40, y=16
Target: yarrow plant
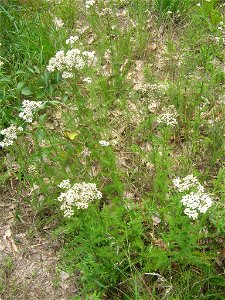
x=196, y=200
x=87, y=80
x=89, y=3
x=187, y=183
x=10, y=134
x=168, y=116
x=28, y=109
x=66, y=62
x=66, y=75
x=79, y=195
x=72, y=39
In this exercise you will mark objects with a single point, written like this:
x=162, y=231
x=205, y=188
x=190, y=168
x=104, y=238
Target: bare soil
x=28, y=263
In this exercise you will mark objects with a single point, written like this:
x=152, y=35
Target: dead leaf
x=10, y=242
x=124, y=65
x=153, y=47
x=158, y=242
x=91, y=39
x=156, y=220
x=64, y=276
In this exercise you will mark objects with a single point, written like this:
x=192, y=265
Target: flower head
x=89, y=3
x=168, y=116
x=10, y=134
x=72, y=40
x=79, y=195
x=87, y=80
x=195, y=200
x=104, y=143
x=28, y=108
x=66, y=75
x=187, y=183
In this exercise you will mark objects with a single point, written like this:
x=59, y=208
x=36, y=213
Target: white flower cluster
x=71, y=40
x=58, y=23
x=195, y=201
x=65, y=184
x=79, y=195
x=72, y=59
x=87, y=80
x=188, y=182
x=168, y=116
x=10, y=134
x=66, y=75
x=28, y=108
x=89, y=3
x=104, y=143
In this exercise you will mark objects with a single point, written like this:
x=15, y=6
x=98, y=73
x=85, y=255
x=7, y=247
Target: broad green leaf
x=26, y=91
x=20, y=85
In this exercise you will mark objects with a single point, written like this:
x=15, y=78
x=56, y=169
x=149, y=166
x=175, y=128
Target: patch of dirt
x=28, y=266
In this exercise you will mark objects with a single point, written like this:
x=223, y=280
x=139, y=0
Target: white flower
x=104, y=143
x=28, y=108
x=191, y=200
x=217, y=39
x=206, y=202
x=79, y=195
x=87, y=80
x=57, y=62
x=192, y=214
x=89, y=3
x=168, y=116
x=72, y=59
x=196, y=201
x=1, y=63
x=58, y=23
x=72, y=40
x=65, y=184
x=66, y=75
x=66, y=61
x=10, y=134
x=187, y=182
x=198, y=4
x=177, y=182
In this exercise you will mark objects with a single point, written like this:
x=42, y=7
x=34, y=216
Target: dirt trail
x=28, y=265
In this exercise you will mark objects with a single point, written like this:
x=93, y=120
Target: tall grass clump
x=172, y=8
